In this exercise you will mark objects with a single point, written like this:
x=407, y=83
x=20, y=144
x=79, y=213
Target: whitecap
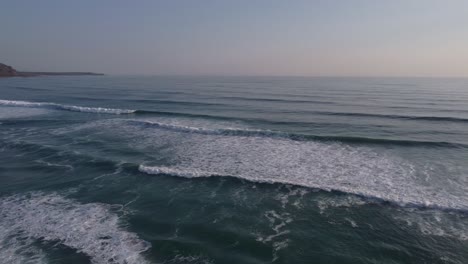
x=92, y=228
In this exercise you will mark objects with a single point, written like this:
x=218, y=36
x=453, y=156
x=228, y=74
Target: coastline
x=8, y=71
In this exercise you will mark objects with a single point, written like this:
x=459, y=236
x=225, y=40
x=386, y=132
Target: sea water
x=135, y=169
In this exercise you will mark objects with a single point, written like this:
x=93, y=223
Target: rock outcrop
x=7, y=71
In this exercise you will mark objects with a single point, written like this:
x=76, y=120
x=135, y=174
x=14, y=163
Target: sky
x=241, y=37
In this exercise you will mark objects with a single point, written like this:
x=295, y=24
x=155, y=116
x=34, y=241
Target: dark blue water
x=233, y=170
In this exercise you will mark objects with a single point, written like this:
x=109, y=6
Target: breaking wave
x=403, y=195
x=294, y=136
x=275, y=157
x=93, y=228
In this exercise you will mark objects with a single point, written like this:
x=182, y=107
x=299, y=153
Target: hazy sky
x=271, y=37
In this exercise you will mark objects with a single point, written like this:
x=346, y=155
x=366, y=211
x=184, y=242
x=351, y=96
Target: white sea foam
x=204, y=130
x=15, y=250
x=194, y=173
x=435, y=223
x=351, y=222
x=92, y=229
x=51, y=164
x=323, y=165
x=341, y=201
x=292, y=192
x=278, y=223
x=100, y=110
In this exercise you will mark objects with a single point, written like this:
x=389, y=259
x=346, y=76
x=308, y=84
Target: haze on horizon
x=209, y=37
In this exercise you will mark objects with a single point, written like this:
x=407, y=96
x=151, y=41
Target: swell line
x=401, y=117
x=427, y=118
x=292, y=136
x=104, y=110
x=73, y=108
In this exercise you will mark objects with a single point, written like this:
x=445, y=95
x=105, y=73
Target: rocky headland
x=8, y=71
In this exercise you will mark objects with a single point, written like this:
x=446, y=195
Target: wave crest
x=278, y=134
x=73, y=108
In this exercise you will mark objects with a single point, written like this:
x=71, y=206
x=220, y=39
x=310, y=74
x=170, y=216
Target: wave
x=426, y=118
x=368, y=172
x=84, y=109
x=294, y=136
x=104, y=110
x=92, y=228
x=382, y=141
x=276, y=100
x=399, y=200
x=201, y=150
x=401, y=117
x=325, y=166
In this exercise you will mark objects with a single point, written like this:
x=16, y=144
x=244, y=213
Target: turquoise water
x=233, y=170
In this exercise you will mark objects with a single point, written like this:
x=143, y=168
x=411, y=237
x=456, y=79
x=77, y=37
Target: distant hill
x=8, y=71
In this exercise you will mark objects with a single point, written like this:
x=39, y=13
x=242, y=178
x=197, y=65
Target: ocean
x=135, y=169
